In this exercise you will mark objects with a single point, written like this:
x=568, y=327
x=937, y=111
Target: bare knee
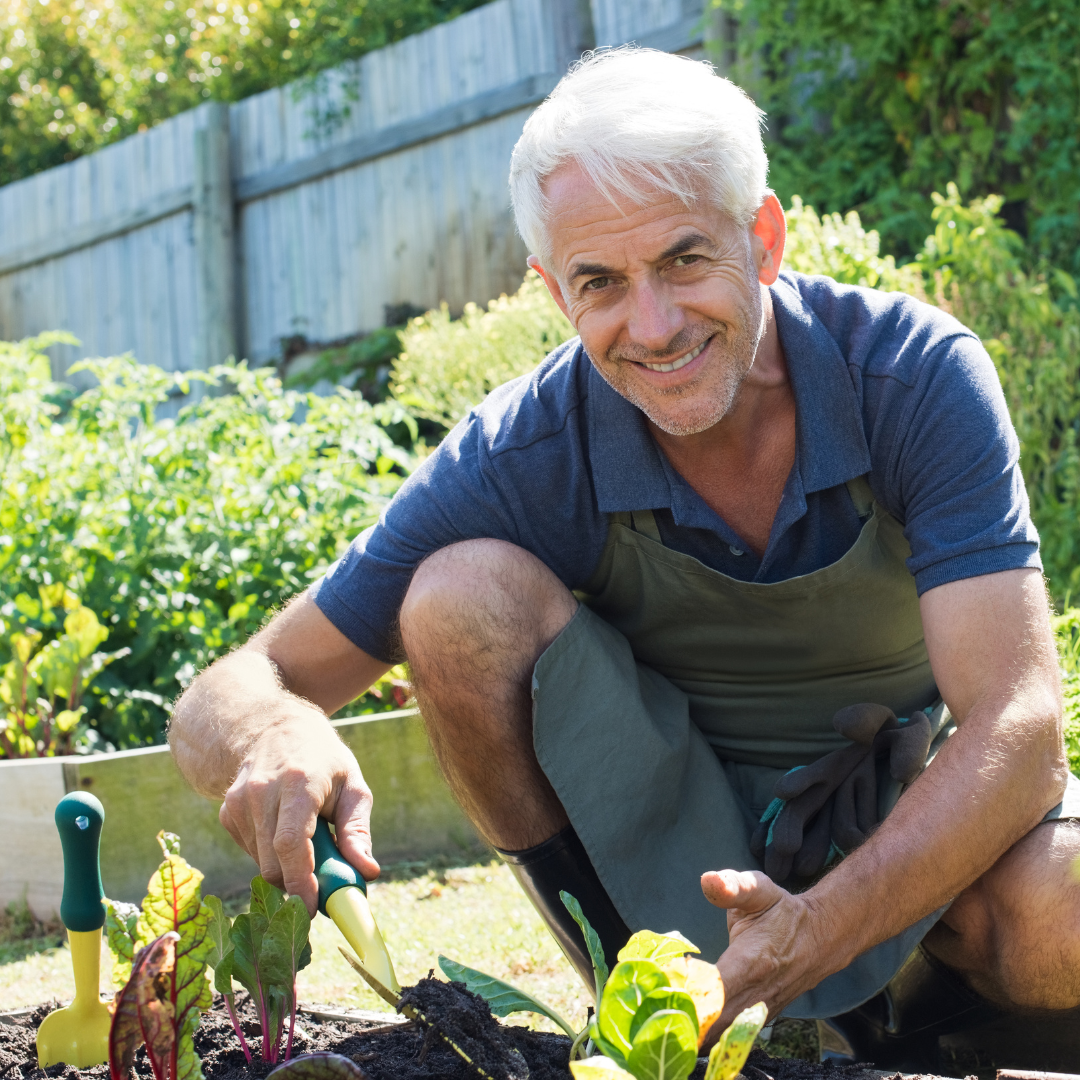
x=1018, y=926
x=483, y=595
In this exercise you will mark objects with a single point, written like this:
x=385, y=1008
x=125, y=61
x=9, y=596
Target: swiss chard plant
x=655, y=1010
x=160, y=954
x=262, y=950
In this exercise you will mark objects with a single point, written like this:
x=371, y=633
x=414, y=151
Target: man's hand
x=253, y=729
x=298, y=770
x=775, y=949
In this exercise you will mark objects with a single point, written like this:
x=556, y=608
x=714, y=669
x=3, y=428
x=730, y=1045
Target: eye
x=596, y=283
x=685, y=260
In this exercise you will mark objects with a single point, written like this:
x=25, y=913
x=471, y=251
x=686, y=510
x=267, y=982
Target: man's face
x=667, y=300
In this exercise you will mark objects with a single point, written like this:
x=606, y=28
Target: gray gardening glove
x=829, y=807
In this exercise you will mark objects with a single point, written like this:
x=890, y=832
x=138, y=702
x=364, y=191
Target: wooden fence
x=228, y=229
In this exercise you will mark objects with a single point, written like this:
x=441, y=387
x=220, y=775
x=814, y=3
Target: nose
x=654, y=318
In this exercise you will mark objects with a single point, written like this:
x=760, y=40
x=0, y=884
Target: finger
x=294, y=851
x=352, y=825
x=747, y=892
x=235, y=815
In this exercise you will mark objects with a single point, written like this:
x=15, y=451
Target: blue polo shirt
x=885, y=386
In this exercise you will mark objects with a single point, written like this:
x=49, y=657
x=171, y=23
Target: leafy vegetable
x=221, y=960
x=173, y=904
x=645, y=945
x=263, y=950
x=624, y=993
x=592, y=941
x=733, y=1048
x=144, y=1012
x=502, y=998
x=319, y=1067
x=665, y=1047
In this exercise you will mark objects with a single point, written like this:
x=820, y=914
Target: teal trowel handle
x=332, y=871
x=79, y=817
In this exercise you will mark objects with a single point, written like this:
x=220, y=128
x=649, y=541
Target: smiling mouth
x=674, y=365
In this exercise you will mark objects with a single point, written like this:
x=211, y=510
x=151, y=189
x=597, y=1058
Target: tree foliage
x=874, y=104
x=78, y=74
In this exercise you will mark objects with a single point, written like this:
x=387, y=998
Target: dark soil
x=416, y=1050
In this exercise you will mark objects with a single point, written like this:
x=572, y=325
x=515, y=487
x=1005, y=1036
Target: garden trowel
x=343, y=897
x=79, y=1034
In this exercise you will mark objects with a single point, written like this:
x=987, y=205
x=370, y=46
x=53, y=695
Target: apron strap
x=644, y=523
x=861, y=495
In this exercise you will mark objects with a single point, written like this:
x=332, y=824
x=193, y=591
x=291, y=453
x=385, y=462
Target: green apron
x=676, y=696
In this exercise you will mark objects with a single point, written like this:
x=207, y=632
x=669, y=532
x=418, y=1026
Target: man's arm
x=253, y=730
x=992, y=652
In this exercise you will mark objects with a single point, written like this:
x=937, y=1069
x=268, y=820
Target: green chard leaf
x=502, y=997
x=625, y=990
x=220, y=956
x=121, y=927
x=592, y=941
x=174, y=903
x=733, y=1048
x=665, y=1047
x=605, y=1048
x=664, y=999
x=647, y=945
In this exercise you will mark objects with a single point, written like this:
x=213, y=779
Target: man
x=641, y=585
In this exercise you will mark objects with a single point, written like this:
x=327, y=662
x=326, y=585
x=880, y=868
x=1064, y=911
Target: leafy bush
x=76, y=76
x=181, y=536
x=1067, y=628
x=448, y=366
x=973, y=266
x=874, y=104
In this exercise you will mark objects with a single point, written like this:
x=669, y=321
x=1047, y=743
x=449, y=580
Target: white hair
x=636, y=120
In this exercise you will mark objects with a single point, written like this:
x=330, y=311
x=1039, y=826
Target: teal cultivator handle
x=331, y=870
x=79, y=817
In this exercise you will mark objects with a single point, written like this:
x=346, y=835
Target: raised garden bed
x=399, y=1050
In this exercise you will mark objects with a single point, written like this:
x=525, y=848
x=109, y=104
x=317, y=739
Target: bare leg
x=1014, y=934
x=475, y=620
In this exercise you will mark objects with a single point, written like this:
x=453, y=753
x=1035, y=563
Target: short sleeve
x=954, y=467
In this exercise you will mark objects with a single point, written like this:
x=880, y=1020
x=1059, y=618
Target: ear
x=552, y=284
x=770, y=235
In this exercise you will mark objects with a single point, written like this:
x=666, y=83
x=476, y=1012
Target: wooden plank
x=65, y=242
x=464, y=114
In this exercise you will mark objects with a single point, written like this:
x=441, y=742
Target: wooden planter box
x=415, y=816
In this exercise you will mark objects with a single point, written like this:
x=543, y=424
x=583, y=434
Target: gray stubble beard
x=739, y=351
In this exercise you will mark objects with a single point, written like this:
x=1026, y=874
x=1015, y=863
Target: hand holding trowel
x=343, y=897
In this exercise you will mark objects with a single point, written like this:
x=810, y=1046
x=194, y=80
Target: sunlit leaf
x=729, y=1054
x=647, y=945
x=665, y=1047
x=598, y=1068
x=625, y=990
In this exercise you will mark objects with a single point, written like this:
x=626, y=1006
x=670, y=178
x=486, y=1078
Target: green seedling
x=262, y=950
x=173, y=905
x=655, y=1010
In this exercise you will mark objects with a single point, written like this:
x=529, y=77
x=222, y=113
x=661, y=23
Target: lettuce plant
x=157, y=967
x=262, y=950
x=655, y=1010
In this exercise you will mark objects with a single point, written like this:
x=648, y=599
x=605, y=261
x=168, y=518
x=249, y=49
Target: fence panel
x=382, y=182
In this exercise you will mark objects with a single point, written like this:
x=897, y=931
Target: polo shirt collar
x=629, y=471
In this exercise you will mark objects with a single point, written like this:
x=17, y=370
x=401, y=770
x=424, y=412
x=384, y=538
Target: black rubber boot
x=928, y=1020
x=559, y=863
x=901, y=1027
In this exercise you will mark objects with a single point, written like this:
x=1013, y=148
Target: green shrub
x=181, y=536
x=1067, y=628
x=1030, y=324
x=874, y=104
x=449, y=365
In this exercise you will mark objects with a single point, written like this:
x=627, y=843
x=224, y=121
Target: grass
x=474, y=914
